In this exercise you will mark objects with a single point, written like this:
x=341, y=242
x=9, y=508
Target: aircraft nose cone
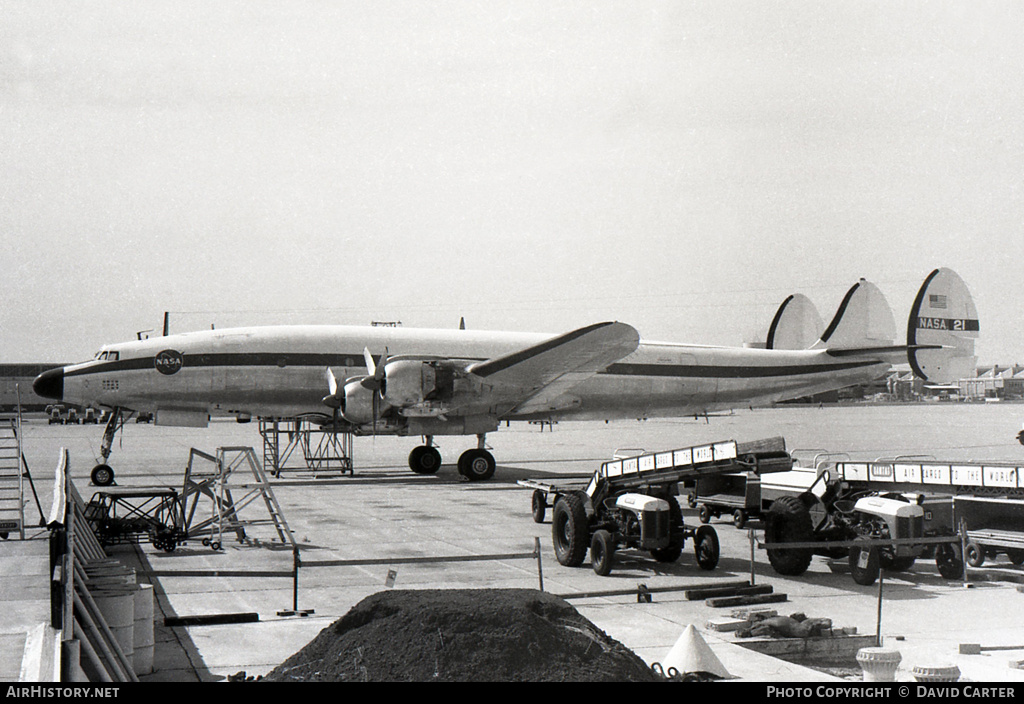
x=50, y=384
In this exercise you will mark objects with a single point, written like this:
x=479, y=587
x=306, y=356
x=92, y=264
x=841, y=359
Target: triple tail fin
x=862, y=324
x=797, y=325
x=942, y=328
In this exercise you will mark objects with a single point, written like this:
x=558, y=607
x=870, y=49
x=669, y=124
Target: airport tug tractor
x=836, y=511
x=631, y=503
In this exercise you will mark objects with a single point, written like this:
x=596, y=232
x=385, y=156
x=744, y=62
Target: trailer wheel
x=602, y=552
x=569, y=530
x=539, y=505
x=864, y=565
x=739, y=518
x=102, y=475
x=947, y=559
x=704, y=513
x=975, y=554
x=788, y=521
x=705, y=546
x=1016, y=556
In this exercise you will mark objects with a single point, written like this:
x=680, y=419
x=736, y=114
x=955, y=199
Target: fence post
x=540, y=570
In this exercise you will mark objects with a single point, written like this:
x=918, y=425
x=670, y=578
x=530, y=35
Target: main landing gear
x=475, y=464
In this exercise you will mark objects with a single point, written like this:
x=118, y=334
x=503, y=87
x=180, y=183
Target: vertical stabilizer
x=942, y=328
x=864, y=320
x=797, y=325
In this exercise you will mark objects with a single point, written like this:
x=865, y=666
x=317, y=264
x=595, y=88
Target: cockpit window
x=108, y=355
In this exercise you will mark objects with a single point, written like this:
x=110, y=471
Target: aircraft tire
x=476, y=465
x=425, y=459
x=569, y=530
x=788, y=521
x=102, y=475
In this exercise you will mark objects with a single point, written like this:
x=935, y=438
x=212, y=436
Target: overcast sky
x=532, y=166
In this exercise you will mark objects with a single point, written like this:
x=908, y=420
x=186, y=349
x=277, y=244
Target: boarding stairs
x=12, y=484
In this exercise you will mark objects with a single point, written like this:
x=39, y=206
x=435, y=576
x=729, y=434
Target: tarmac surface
x=387, y=517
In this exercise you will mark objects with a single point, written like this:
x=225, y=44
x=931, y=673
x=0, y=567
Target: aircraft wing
x=543, y=372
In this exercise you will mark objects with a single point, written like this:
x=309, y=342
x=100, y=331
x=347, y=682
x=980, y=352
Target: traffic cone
x=691, y=653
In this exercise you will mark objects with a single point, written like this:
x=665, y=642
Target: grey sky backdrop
x=536, y=166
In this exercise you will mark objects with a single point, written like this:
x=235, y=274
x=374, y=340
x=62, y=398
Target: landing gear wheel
x=476, y=465
x=788, y=521
x=705, y=546
x=569, y=531
x=975, y=554
x=947, y=559
x=425, y=459
x=864, y=565
x=739, y=518
x=539, y=505
x=102, y=475
x=704, y=513
x=602, y=552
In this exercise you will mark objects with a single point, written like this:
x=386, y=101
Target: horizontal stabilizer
x=942, y=328
x=797, y=325
x=864, y=321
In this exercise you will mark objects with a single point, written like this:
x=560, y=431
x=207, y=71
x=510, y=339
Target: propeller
x=375, y=380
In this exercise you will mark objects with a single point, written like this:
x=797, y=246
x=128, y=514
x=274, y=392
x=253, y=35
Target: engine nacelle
x=407, y=382
x=357, y=403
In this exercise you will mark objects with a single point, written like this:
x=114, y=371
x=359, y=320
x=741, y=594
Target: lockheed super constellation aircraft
x=409, y=382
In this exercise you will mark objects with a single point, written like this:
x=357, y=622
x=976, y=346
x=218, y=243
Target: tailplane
x=942, y=328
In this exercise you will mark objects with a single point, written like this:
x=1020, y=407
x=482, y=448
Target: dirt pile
x=478, y=635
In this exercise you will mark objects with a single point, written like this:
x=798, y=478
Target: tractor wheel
x=975, y=554
x=602, y=552
x=947, y=559
x=539, y=505
x=705, y=546
x=677, y=541
x=864, y=565
x=896, y=564
x=102, y=475
x=788, y=521
x=569, y=530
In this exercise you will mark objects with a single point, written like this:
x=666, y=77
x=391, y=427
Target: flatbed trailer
x=632, y=502
x=125, y=514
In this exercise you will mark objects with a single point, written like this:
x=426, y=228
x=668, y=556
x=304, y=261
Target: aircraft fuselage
x=281, y=372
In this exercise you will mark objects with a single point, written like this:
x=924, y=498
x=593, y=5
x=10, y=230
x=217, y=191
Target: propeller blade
x=371, y=368
x=332, y=398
